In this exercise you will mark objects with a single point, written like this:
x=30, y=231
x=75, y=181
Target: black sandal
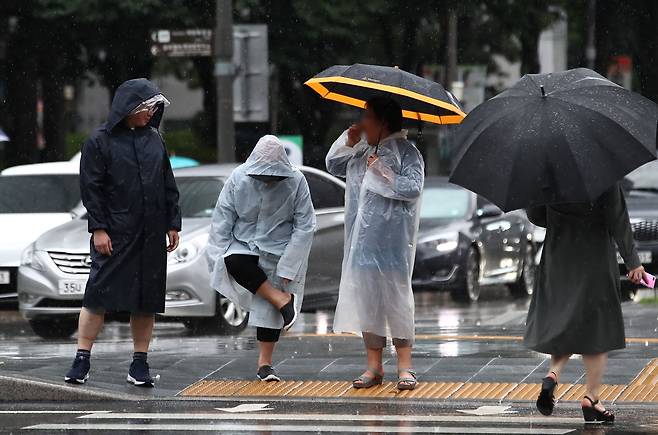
x=546, y=399
x=593, y=415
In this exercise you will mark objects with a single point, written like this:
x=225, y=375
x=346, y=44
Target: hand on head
x=354, y=135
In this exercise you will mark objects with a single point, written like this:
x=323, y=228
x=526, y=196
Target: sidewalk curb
x=16, y=388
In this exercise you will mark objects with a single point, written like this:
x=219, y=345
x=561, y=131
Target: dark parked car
x=466, y=243
x=641, y=188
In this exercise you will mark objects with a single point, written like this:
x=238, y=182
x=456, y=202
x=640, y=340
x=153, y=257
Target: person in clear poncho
x=260, y=239
x=385, y=175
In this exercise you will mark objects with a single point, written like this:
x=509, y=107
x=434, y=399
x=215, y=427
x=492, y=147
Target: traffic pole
x=224, y=74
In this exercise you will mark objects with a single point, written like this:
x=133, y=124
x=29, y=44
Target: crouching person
x=128, y=189
x=261, y=235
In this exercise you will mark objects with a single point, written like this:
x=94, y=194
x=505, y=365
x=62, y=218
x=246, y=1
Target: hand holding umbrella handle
x=372, y=159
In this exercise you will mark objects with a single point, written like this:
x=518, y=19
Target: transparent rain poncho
x=273, y=220
x=381, y=224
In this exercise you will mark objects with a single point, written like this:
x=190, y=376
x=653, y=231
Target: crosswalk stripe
x=43, y=411
x=229, y=427
x=336, y=417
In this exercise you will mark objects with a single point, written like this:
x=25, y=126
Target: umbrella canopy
x=419, y=98
x=554, y=138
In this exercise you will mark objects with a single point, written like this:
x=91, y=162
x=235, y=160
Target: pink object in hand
x=648, y=280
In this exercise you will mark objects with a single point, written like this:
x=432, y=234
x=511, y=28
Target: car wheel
x=54, y=328
x=233, y=318
x=469, y=288
x=525, y=284
x=229, y=319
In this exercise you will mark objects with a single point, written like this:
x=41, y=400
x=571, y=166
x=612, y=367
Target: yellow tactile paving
x=608, y=392
x=639, y=393
x=214, y=388
x=321, y=389
x=258, y=388
x=648, y=375
x=387, y=389
x=644, y=388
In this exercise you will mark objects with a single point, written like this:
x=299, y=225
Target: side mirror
x=488, y=211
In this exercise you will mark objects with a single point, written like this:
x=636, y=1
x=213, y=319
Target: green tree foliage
x=52, y=43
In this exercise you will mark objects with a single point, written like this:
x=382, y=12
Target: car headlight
x=30, y=259
x=441, y=242
x=188, y=250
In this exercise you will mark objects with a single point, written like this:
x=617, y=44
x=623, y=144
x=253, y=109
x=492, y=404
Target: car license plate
x=5, y=278
x=72, y=287
x=646, y=257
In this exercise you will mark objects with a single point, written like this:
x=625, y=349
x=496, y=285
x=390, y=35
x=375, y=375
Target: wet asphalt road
x=309, y=353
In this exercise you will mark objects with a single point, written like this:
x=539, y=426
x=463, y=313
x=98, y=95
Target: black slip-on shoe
x=289, y=313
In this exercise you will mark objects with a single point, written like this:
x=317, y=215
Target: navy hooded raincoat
x=128, y=189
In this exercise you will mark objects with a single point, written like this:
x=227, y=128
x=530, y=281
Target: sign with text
x=181, y=43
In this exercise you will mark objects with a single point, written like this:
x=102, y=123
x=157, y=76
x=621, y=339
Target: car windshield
x=49, y=193
x=645, y=177
x=198, y=195
x=443, y=202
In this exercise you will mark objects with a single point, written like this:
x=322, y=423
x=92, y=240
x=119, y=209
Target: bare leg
x=89, y=326
x=266, y=352
x=595, y=366
x=374, y=349
x=557, y=364
x=273, y=295
x=404, y=360
x=404, y=357
x=375, y=359
x=142, y=330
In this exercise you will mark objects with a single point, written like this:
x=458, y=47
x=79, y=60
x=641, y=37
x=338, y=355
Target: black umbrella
x=554, y=138
x=419, y=98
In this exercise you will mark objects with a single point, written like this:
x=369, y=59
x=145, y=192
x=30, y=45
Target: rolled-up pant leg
x=401, y=342
x=374, y=341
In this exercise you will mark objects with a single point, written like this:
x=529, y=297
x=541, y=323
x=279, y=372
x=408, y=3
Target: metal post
x=451, y=57
x=590, y=50
x=224, y=73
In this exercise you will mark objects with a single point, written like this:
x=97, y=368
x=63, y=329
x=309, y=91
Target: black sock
x=140, y=356
x=84, y=353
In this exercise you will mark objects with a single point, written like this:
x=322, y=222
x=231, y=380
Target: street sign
x=251, y=99
x=250, y=65
x=181, y=43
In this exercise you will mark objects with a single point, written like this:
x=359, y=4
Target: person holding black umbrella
x=576, y=307
x=558, y=145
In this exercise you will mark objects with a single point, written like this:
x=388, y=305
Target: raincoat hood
x=128, y=96
x=269, y=158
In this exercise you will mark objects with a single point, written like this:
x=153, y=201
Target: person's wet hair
x=386, y=110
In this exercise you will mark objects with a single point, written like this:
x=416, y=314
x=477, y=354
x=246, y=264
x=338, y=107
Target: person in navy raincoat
x=130, y=194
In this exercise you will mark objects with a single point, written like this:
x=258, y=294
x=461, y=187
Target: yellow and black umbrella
x=419, y=98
